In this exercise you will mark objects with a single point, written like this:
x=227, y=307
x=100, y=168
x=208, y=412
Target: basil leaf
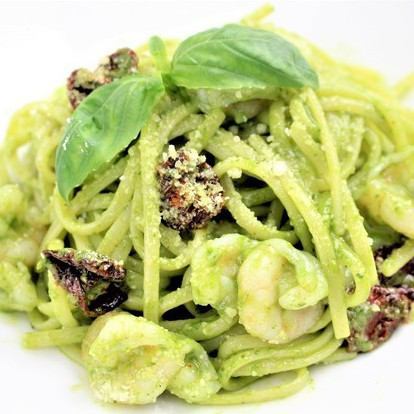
x=236, y=57
x=102, y=126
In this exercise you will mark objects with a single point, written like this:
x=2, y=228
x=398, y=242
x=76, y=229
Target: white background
x=41, y=42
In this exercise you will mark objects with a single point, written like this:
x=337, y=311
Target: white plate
x=40, y=43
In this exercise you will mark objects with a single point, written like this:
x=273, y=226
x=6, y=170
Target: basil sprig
x=233, y=57
x=236, y=57
x=102, y=126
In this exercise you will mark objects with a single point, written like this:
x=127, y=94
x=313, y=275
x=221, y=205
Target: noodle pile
x=319, y=178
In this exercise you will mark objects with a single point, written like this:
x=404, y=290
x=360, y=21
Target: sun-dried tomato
x=96, y=281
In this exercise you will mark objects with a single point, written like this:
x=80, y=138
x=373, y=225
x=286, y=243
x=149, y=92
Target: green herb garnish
x=236, y=57
x=102, y=126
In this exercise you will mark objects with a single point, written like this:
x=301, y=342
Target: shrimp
x=279, y=292
x=17, y=291
x=20, y=236
x=12, y=201
x=390, y=203
x=132, y=361
x=213, y=280
x=197, y=380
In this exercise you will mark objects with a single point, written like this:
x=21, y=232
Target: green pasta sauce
x=313, y=163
